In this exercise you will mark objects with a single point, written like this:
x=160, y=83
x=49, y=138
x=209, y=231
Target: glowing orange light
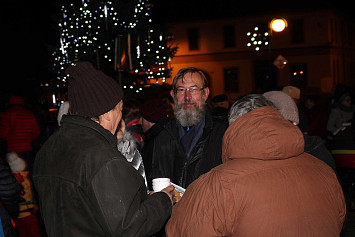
x=278, y=25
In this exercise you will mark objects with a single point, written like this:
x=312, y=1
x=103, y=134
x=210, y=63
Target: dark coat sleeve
x=9, y=191
x=314, y=146
x=125, y=207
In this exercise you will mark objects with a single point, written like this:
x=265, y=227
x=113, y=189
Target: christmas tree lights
x=118, y=37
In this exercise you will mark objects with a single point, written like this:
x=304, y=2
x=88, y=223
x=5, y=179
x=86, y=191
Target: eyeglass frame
x=192, y=90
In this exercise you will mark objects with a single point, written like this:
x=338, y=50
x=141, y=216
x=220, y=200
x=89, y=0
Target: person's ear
x=106, y=116
x=172, y=93
x=207, y=92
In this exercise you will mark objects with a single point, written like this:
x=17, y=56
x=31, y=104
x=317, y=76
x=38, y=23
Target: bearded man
x=191, y=143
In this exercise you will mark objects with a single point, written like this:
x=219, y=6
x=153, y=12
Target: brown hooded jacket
x=266, y=186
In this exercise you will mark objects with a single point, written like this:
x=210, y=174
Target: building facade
x=242, y=55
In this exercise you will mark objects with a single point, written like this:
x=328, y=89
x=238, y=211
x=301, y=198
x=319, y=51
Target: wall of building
x=322, y=51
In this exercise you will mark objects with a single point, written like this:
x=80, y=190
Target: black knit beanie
x=91, y=93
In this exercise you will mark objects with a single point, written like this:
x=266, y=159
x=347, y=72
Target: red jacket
x=18, y=126
x=266, y=186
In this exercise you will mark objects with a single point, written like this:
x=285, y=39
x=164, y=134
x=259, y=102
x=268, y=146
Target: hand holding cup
x=164, y=185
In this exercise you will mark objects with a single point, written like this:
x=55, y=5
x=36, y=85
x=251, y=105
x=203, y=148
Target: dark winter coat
x=168, y=158
x=87, y=188
x=314, y=145
x=9, y=199
x=148, y=147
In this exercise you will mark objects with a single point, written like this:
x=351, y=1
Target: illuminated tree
x=117, y=36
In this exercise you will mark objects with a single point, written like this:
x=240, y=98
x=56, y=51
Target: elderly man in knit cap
x=85, y=186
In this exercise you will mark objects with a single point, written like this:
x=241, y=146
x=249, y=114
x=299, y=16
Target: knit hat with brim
x=284, y=104
x=91, y=93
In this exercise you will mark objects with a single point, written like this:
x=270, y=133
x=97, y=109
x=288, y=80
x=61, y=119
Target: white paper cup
x=160, y=183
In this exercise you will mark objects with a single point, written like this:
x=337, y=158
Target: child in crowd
x=26, y=222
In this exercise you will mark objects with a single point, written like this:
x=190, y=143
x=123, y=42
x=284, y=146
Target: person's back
x=266, y=186
x=18, y=126
x=291, y=198
x=58, y=172
x=72, y=168
x=85, y=185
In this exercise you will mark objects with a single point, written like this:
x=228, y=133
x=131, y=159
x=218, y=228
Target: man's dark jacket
x=314, y=145
x=87, y=188
x=9, y=200
x=168, y=158
x=148, y=147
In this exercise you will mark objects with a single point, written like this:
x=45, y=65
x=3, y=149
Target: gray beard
x=189, y=118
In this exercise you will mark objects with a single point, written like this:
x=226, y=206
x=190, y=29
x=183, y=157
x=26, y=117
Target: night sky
x=30, y=33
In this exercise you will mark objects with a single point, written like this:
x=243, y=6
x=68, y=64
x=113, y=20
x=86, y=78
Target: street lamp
x=278, y=24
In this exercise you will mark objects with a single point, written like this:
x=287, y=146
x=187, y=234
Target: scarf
x=190, y=136
x=129, y=150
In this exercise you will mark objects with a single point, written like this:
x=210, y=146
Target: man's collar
x=86, y=122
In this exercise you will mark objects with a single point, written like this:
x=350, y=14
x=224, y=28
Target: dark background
x=29, y=29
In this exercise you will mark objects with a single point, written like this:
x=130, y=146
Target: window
x=297, y=31
x=229, y=36
x=193, y=37
x=231, y=83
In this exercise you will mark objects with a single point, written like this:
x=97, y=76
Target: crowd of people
x=260, y=167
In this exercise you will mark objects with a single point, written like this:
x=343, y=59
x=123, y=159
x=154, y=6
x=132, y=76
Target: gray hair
x=245, y=105
x=181, y=74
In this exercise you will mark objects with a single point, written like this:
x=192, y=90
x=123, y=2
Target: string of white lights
x=90, y=28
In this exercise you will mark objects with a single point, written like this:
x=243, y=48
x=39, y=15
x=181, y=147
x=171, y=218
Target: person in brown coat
x=266, y=186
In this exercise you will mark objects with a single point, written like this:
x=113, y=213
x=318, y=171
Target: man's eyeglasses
x=192, y=90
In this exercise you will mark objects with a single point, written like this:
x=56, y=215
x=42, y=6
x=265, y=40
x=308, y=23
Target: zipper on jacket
x=183, y=175
x=193, y=158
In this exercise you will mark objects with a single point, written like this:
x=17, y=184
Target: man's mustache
x=185, y=102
